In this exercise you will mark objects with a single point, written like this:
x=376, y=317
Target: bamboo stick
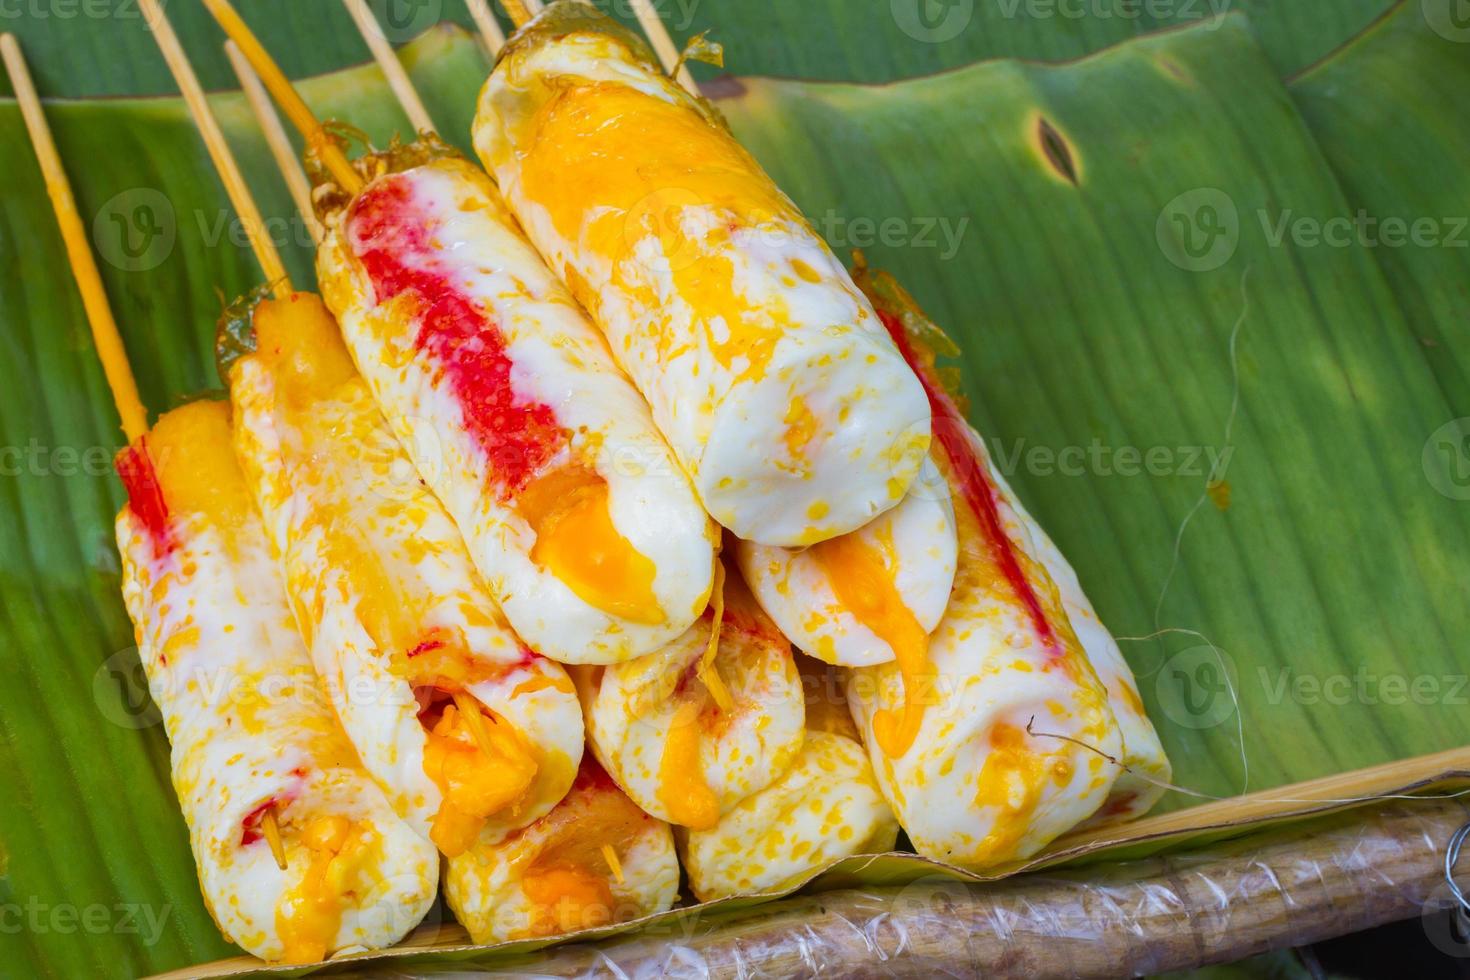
x=519, y=11
x=219, y=149
x=392, y=68
x=663, y=44
x=286, y=96
x=105, y=335
x=269, y=122
x=487, y=25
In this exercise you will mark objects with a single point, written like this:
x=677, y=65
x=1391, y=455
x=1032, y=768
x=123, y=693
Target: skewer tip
x=271, y=829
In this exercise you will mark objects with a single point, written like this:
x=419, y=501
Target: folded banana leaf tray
x=1209, y=270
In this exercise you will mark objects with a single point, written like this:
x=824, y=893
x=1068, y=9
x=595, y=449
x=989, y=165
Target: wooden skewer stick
x=663, y=44
x=392, y=68
x=270, y=829
x=613, y=864
x=534, y=7
x=519, y=11
x=105, y=334
x=286, y=97
x=275, y=137
x=489, y=27
x=219, y=149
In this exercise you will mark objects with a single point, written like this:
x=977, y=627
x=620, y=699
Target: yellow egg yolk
x=194, y=458
x=864, y=583
x=614, y=157
x=310, y=914
x=479, y=776
x=683, y=789
x=576, y=541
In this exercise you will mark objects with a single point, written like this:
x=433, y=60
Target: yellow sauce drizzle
x=1011, y=781
x=577, y=542
x=605, y=150
x=864, y=583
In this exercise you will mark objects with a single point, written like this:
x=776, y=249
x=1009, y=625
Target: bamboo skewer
x=488, y=26
x=99, y=314
x=270, y=829
x=219, y=148
x=260, y=243
x=519, y=11
x=663, y=44
x=392, y=68
x=275, y=137
x=105, y=335
x=280, y=88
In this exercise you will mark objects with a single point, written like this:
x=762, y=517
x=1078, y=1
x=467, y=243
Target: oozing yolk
x=682, y=788
x=310, y=914
x=577, y=542
x=865, y=585
x=569, y=883
x=567, y=898
x=477, y=780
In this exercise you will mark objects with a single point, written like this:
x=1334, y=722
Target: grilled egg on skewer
x=595, y=859
x=827, y=806
x=255, y=749
x=687, y=735
x=574, y=509
x=765, y=367
x=464, y=727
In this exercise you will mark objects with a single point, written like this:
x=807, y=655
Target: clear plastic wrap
x=1234, y=898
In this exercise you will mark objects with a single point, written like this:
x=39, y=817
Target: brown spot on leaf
x=1057, y=151
x=1219, y=491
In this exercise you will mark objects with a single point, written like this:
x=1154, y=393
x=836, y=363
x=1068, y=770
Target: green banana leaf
x=1249, y=439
